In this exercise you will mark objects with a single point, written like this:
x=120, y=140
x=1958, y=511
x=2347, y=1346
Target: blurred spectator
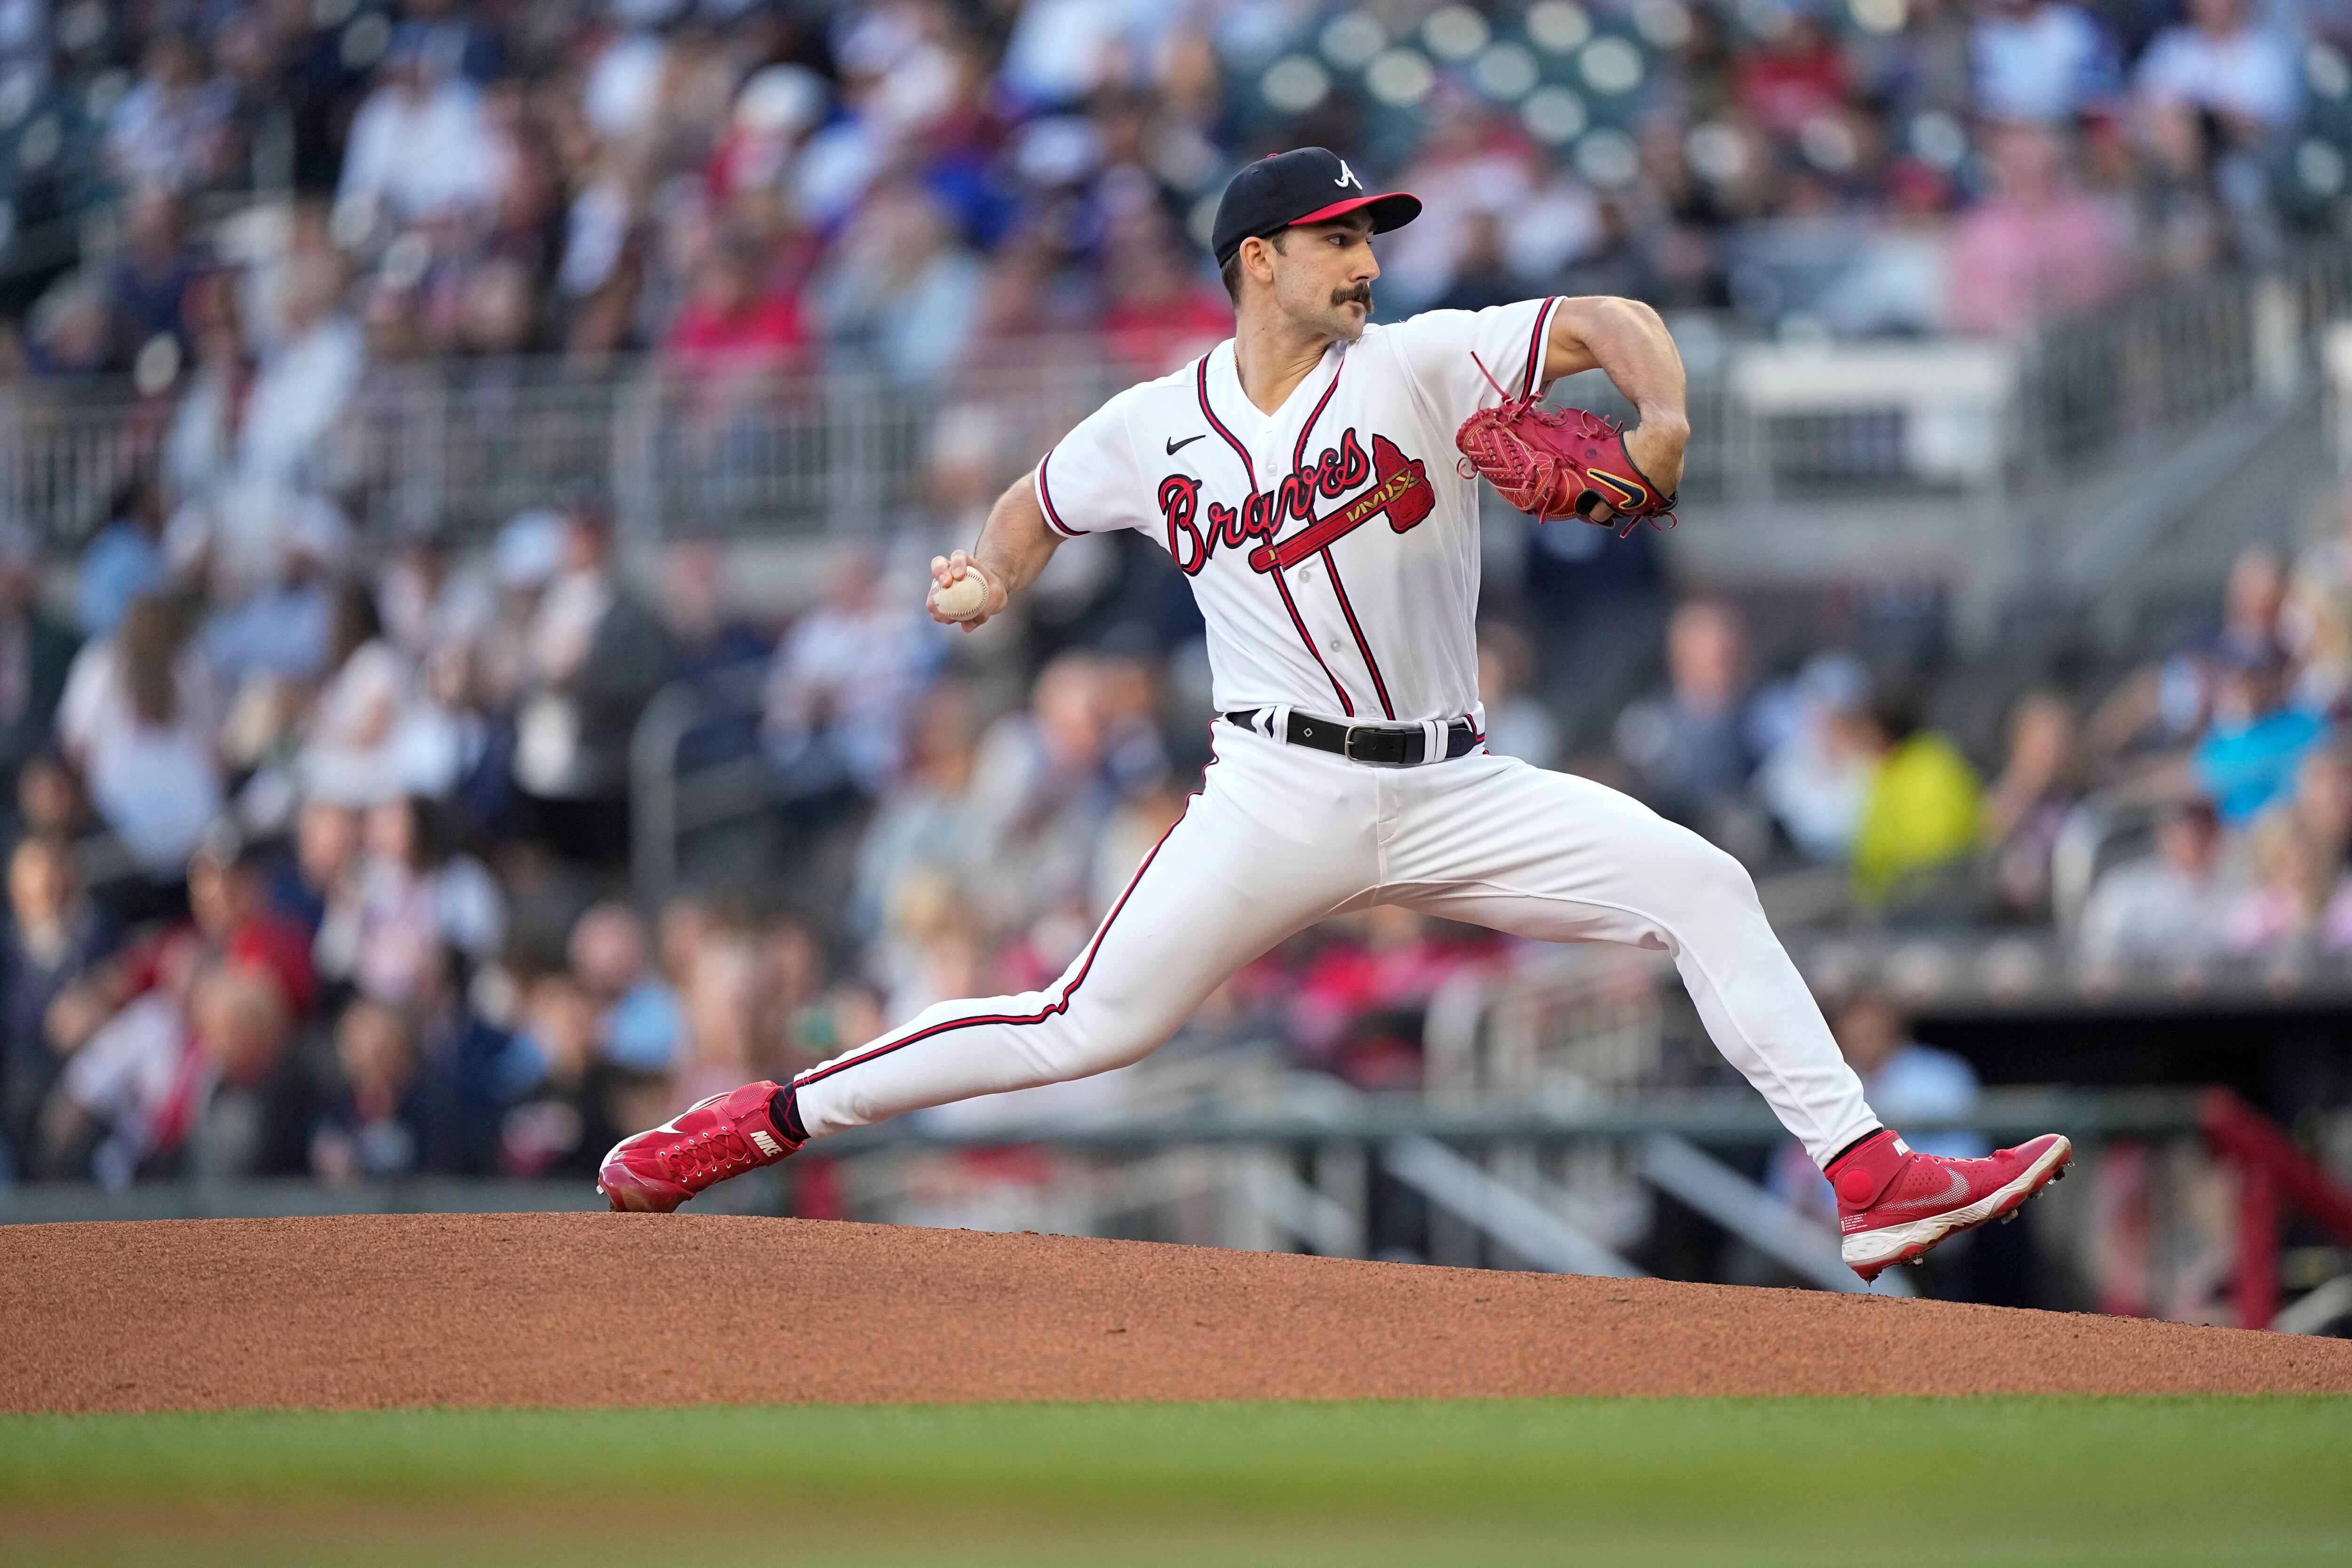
x=640, y=1025
x=900, y=288
x=2039, y=62
x=1159, y=314
x=1355, y=1010
x=125, y=1094
x=1039, y=791
x=252, y=1108
x=2170, y=905
x=274, y=635
x=1925, y=808
x=147, y=289
x=165, y=130
x=123, y=560
x=2321, y=803
x=592, y=658
x=842, y=681
x=2039, y=248
x=137, y=718
x=373, y=1125
x=721, y=1037
x=734, y=323
x=228, y=899
x=1816, y=775
x=564, y=1120
x=468, y=1070
x=409, y=894
x=2293, y=882
x=2169, y=703
x=305, y=378
x=2316, y=620
x=349, y=756
x=706, y=635
x=2029, y=805
x=1690, y=746
x=420, y=146
x=1517, y=724
x=54, y=936
x=2248, y=754
x=926, y=823
x=36, y=653
x=325, y=855
x=2222, y=76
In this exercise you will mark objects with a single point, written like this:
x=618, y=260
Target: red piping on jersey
x=1299, y=463
x=1201, y=380
x=1048, y=1011
x=1535, y=349
x=1046, y=494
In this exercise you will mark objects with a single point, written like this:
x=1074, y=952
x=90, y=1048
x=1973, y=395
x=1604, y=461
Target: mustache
x=1362, y=294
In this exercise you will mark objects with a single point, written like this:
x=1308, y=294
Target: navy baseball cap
x=1306, y=185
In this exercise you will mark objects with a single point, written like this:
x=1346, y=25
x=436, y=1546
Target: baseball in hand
x=962, y=597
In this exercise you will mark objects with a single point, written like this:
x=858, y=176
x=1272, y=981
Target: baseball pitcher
x=1315, y=477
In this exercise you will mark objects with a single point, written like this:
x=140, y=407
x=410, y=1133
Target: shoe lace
x=706, y=1156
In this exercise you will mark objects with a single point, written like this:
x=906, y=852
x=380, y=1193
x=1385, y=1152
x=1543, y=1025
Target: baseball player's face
x=1323, y=277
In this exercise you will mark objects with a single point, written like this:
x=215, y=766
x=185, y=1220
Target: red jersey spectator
x=731, y=325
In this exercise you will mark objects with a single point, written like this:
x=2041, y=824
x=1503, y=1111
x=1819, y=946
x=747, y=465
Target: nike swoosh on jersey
x=1174, y=445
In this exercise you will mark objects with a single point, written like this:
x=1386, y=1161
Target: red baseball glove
x=1558, y=462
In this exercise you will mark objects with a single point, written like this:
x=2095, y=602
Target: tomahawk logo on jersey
x=1307, y=606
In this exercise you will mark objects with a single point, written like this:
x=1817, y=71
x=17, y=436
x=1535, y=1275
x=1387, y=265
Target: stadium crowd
x=732, y=181
x=319, y=835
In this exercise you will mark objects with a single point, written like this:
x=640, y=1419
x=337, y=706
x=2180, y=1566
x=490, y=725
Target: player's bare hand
x=1656, y=446
x=962, y=594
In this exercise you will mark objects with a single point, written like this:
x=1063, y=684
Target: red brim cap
x=1393, y=210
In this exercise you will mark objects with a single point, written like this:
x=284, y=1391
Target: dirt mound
x=602, y=1309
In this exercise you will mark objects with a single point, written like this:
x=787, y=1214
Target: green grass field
x=2008, y=1481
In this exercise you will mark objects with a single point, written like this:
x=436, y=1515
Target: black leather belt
x=1383, y=745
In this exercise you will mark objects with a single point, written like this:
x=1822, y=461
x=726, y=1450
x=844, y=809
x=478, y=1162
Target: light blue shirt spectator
x=120, y=563
x=644, y=1029
x=279, y=631
x=2243, y=768
x=2042, y=64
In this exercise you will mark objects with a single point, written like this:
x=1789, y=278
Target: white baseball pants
x=1282, y=836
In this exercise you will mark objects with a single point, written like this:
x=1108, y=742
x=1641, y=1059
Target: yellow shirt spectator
x=1925, y=810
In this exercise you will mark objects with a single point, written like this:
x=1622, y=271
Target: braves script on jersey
x=1334, y=549
x=1332, y=546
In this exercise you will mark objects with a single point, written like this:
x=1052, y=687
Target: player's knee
x=1100, y=1037
x=1708, y=877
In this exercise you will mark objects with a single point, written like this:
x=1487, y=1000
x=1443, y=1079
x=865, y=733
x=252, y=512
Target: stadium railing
x=460, y=445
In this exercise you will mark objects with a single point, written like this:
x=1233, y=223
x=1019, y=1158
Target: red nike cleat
x=1893, y=1205
x=724, y=1136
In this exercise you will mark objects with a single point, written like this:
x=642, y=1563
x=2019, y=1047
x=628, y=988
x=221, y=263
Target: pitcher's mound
x=618, y=1310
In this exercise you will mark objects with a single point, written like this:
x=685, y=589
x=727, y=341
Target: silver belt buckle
x=1348, y=744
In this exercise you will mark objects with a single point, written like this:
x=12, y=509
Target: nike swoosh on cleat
x=1956, y=1186
x=1174, y=445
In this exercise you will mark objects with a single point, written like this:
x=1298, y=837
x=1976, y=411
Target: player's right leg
x=1544, y=855
x=1272, y=843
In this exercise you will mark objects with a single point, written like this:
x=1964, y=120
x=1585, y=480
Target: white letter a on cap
x=1348, y=176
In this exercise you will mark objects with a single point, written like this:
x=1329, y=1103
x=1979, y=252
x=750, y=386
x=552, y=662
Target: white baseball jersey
x=1332, y=544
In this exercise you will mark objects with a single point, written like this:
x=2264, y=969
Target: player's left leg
x=1278, y=838
x=1493, y=841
